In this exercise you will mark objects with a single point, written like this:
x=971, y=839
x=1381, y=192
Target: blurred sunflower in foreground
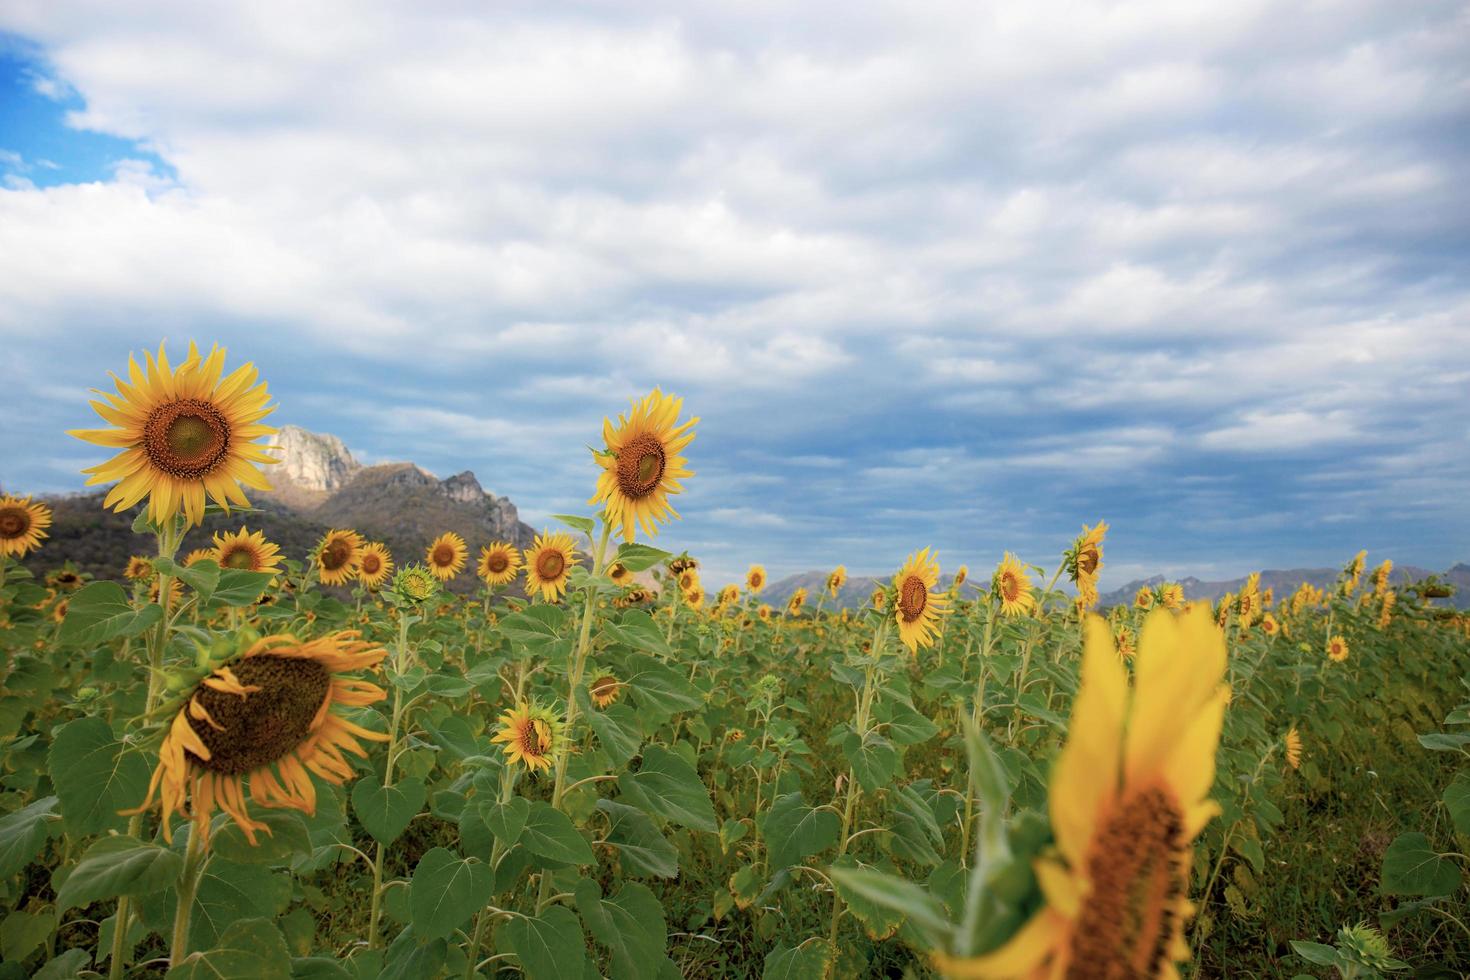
x=1127, y=800
x=184, y=432
x=266, y=716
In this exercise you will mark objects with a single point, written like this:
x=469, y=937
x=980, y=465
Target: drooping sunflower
x=139, y=569
x=961, y=577
x=755, y=579
x=499, y=563
x=918, y=608
x=1380, y=577
x=446, y=556
x=1291, y=746
x=1337, y=649
x=265, y=716
x=1385, y=610
x=836, y=580
x=374, y=565
x=338, y=556
x=797, y=600
x=1127, y=800
x=530, y=733
x=605, y=690
x=247, y=550
x=1012, y=586
x=23, y=524
x=641, y=465
x=1083, y=561
x=619, y=574
x=549, y=563
x=1352, y=573
x=184, y=433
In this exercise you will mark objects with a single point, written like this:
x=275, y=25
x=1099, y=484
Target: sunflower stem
x=574, y=681
x=400, y=663
x=195, y=857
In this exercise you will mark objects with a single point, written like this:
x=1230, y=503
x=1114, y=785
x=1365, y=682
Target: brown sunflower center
x=498, y=562
x=336, y=554
x=534, y=738
x=14, y=522
x=1087, y=560
x=1128, y=918
x=550, y=564
x=605, y=688
x=267, y=724
x=1010, y=588
x=371, y=563
x=641, y=466
x=187, y=439
x=444, y=555
x=913, y=598
x=239, y=558
x=756, y=581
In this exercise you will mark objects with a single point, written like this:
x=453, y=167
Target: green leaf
x=617, y=731
x=229, y=892
x=795, y=831
x=317, y=968
x=240, y=586
x=202, y=576
x=869, y=887
x=506, y=820
x=23, y=834
x=385, y=811
x=642, y=848
x=879, y=919
x=549, y=833
x=1457, y=801
x=119, y=866
x=638, y=557
x=22, y=932
x=446, y=891
x=409, y=959
x=535, y=626
x=659, y=689
x=1252, y=852
x=904, y=724
x=1315, y=953
x=100, y=611
x=732, y=830
x=284, y=838
x=549, y=946
x=94, y=776
x=809, y=961
x=584, y=524
x=248, y=948
x=637, y=629
x=667, y=785
x=1445, y=741
x=66, y=966
x=630, y=924
x=1412, y=867
x=874, y=760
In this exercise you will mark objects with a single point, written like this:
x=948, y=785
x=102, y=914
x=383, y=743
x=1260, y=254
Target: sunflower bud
x=415, y=584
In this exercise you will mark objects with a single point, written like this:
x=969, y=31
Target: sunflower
x=1268, y=597
x=681, y=563
x=139, y=569
x=641, y=464
x=1123, y=637
x=22, y=525
x=797, y=600
x=918, y=609
x=961, y=577
x=1352, y=574
x=836, y=580
x=197, y=555
x=66, y=578
x=183, y=433
x=688, y=579
x=549, y=563
x=1385, y=611
x=1012, y=587
x=735, y=735
x=1127, y=800
x=729, y=595
x=446, y=556
x=764, y=612
x=619, y=574
x=338, y=556
x=605, y=690
x=755, y=579
x=58, y=612
x=1380, y=577
x=1292, y=748
x=499, y=563
x=1269, y=626
x=415, y=584
x=530, y=734
x=694, y=598
x=270, y=707
x=1337, y=649
x=247, y=550
x=636, y=596
x=1144, y=598
x=879, y=598
x=1171, y=594
x=374, y=565
x=1084, y=559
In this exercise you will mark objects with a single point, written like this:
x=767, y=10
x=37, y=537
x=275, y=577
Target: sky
x=952, y=275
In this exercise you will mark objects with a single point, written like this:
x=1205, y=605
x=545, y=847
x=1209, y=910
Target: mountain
x=318, y=485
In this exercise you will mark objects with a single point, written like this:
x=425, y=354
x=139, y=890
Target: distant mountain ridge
x=860, y=587
x=318, y=485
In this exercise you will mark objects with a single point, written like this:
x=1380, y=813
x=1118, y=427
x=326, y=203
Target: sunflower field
x=243, y=763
